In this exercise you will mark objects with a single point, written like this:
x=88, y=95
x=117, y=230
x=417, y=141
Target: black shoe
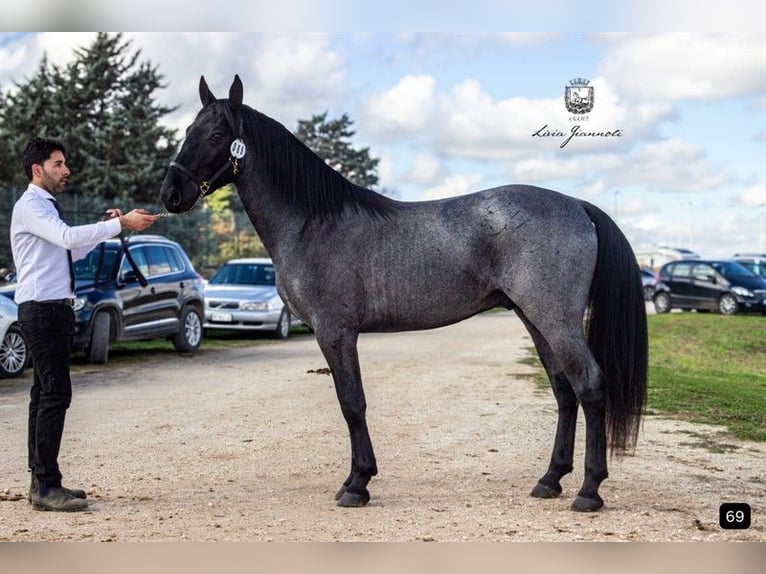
x=73, y=492
x=57, y=499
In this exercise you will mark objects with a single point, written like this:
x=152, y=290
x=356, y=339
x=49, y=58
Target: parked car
x=648, y=282
x=142, y=287
x=14, y=355
x=708, y=285
x=242, y=295
x=756, y=262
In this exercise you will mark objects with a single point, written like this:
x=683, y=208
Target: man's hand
x=135, y=220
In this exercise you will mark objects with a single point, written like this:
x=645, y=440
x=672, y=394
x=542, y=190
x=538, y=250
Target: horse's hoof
x=545, y=491
x=340, y=492
x=582, y=504
x=353, y=499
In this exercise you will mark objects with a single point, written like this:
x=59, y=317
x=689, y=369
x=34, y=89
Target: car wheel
x=662, y=302
x=648, y=292
x=98, y=351
x=283, y=326
x=727, y=304
x=14, y=354
x=189, y=338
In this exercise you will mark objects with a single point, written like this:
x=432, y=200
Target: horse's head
x=210, y=154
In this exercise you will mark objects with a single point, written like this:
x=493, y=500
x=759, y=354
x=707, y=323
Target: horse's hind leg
x=549, y=486
x=339, y=349
x=582, y=371
x=576, y=378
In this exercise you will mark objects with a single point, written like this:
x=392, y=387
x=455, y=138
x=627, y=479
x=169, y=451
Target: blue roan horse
x=350, y=260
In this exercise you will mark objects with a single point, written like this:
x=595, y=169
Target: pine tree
x=329, y=139
x=102, y=107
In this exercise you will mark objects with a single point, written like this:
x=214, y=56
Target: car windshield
x=244, y=274
x=87, y=267
x=756, y=267
x=731, y=269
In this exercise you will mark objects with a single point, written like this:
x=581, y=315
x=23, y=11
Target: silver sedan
x=242, y=295
x=14, y=354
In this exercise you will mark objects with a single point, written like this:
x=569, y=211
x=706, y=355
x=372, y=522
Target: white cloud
x=386, y=170
x=401, y=111
x=673, y=165
x=667, y=166
x=286, y=76
x=649, y=222
x=551, y=168
x=686, y=66
x=753, y=196
x=454, y=185
x=466, y=122
x=425, y=169
x=297, y=73
x=21, y=59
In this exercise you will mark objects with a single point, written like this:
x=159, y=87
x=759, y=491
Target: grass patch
x=711, y=369
x=705, y=368
x=539, y=377
x=121, y=354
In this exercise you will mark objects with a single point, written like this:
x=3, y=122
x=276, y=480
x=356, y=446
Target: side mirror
x=129, y=276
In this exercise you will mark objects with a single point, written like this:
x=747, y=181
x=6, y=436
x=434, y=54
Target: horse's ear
x=205, y=95
x=235, y=92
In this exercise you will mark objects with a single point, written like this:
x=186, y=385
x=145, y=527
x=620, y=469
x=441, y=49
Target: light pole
x=691, y=223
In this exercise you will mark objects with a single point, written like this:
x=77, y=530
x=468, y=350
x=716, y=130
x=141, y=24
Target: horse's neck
x=275, y=222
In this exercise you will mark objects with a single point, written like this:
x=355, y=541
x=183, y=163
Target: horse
x=350, y=260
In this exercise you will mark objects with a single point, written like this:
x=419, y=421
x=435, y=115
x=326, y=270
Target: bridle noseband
x=237, y=151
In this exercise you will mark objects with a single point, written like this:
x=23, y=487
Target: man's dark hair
x=37, y=151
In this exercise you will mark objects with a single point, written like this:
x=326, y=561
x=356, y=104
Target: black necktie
x=68, y=252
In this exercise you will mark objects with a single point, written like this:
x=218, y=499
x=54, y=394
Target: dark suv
x=142, y=287
x=708, y=285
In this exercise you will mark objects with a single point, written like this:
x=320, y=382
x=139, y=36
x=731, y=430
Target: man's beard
x=51, y=185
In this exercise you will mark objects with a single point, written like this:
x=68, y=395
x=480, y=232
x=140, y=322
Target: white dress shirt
x=39, y=242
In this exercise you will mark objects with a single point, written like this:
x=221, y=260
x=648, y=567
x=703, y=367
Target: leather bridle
x=237, y=151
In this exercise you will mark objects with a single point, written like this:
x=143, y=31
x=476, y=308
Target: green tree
x=231, y=227
x=102, y=106
x=329, y=139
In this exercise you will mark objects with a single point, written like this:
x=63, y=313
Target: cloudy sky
x=680, y=152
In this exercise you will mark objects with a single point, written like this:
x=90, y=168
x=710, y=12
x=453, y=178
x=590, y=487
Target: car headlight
x=270, y=305
x=254, y=306
x=742, y=292
x=79, y=303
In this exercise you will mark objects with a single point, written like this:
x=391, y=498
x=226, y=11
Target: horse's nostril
x=171, y=197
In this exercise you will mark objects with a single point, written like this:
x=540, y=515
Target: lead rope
x=166, y=213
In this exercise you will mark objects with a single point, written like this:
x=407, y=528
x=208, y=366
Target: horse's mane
x=304, y=178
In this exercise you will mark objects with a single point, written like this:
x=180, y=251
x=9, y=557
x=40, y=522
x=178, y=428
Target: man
x=43, y=248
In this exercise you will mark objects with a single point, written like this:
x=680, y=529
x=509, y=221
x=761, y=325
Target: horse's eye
x=216, y=137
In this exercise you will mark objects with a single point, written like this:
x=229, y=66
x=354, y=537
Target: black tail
x=617, y=332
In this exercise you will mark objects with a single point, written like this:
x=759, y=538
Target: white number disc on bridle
x=238, y=149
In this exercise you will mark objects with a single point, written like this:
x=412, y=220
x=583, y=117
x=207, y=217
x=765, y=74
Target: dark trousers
x=48, y=330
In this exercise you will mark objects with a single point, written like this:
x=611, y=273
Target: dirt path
x=248, y=444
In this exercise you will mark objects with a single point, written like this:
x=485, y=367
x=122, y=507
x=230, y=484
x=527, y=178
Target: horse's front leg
x=339, y=349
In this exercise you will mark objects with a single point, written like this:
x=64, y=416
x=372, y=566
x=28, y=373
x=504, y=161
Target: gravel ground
x=248, y=444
